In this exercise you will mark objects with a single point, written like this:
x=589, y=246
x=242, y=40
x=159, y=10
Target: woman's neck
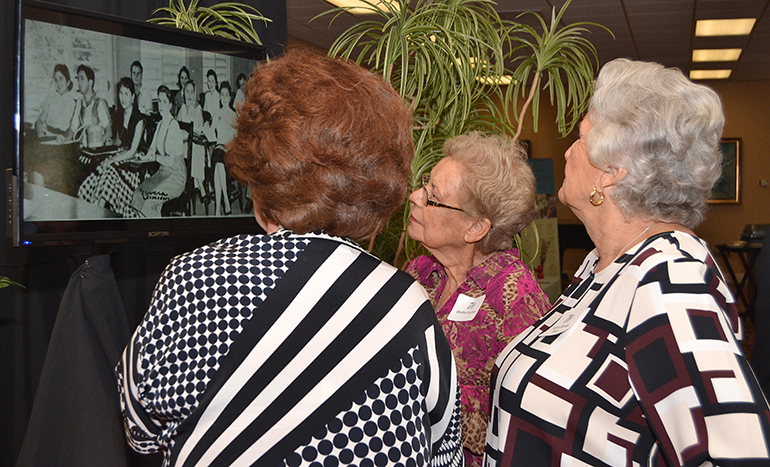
x=456, y=265
x=612, y=240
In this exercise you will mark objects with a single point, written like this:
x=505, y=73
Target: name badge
x=564, y=323
x=465, y=308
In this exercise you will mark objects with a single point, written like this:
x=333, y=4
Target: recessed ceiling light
x=710, y=74
x=503, y=80
x=473, y=60
x=357, y=7
x=724, y=27
x=715, y=55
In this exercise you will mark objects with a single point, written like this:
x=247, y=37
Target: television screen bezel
x=113, y=230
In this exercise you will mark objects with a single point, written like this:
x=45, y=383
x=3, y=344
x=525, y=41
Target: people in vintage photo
x=92, y=147
x=112, y=184
x=92, y=123
x=58, y=109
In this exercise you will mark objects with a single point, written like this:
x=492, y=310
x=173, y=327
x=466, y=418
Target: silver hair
x=499, y=185
x=665, y=130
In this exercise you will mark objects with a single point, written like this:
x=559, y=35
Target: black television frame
x=32, y=232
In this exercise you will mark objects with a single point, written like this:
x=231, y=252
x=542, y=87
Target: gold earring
x=593, y=199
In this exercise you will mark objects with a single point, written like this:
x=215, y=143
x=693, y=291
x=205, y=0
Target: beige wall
x=747, y=111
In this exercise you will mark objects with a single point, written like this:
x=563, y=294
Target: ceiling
x=650, y=30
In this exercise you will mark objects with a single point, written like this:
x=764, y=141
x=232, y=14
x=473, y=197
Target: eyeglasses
x=425, y=180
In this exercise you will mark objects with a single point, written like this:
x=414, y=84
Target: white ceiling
x=651, y=30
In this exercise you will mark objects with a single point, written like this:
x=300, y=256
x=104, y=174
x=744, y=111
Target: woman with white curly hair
x=639, y=362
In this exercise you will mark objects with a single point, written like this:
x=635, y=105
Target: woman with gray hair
x=638, y=362
x=475, y=200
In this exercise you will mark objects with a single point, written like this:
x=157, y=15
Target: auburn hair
x=323, y=144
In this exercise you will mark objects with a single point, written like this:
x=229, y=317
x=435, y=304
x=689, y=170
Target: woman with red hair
x=297, y=346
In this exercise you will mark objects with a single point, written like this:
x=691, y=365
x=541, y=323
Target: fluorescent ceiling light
x=473, y=60
x=358, y=7
x=715, y=55
x=499, y=80
x=710, y=74
x=503, y=80
x=724, y=27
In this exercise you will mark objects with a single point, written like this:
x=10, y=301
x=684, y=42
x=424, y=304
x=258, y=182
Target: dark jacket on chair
x=76, y=417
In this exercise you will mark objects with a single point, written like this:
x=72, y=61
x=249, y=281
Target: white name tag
x=465, y=308
x=564, y=323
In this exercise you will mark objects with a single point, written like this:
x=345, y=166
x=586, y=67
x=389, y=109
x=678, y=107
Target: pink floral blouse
x=513, y=301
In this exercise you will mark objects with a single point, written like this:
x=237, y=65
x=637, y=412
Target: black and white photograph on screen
x=118, y=127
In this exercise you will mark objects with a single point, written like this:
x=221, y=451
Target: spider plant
x=228, y=19
x=560, y=57
x=5, y=282
x=448, y=59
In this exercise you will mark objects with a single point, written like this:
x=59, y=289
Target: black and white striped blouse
x=290, y=350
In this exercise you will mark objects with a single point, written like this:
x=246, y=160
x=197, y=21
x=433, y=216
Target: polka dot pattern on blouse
x=384, y=426
x=207, y=296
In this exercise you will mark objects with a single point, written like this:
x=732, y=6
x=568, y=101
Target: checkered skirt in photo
x=112, y=185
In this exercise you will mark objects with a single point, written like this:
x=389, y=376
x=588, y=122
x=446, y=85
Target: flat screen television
x=112, y=142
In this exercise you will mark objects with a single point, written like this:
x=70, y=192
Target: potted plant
x=463, y=68
x=228, y=19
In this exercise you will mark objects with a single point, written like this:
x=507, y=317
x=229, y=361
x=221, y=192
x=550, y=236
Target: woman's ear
x=478, y=229
x=612, y=176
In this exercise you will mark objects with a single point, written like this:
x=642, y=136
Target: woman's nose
x=416, y=196
x=569, y=150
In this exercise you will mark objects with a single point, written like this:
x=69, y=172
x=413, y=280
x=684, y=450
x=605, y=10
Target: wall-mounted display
x=121, y=130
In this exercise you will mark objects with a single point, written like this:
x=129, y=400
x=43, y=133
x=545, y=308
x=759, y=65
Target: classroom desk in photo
x=44, y=204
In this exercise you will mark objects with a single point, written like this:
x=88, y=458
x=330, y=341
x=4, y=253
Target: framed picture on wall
x=728, y=188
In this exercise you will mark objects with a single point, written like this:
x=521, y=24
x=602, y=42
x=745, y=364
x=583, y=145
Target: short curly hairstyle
x=499, y=185
x=323, y=144
x=126, y=83
x=665, y=130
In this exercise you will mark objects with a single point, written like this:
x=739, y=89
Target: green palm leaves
x=229, y=20
x=448, y=58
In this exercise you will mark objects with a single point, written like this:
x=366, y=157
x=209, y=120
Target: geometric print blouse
x=635, y=365
x=295, y=350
